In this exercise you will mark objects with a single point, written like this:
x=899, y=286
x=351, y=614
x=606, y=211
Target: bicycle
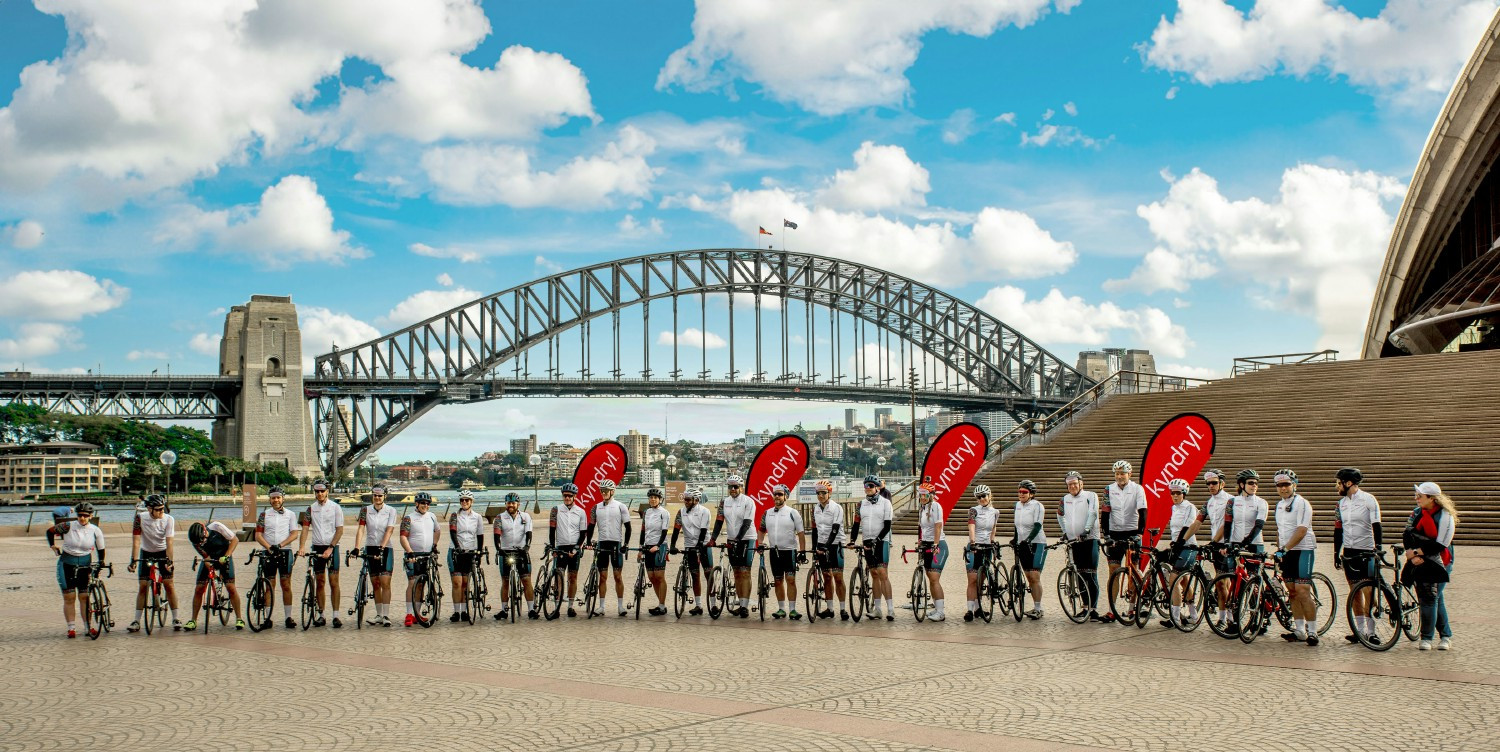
x=95, y=608
x=362, y=586
x=215, y=599
x=682, y=585
x=859, y=585
x=1125, y=583
x=1017, y=585
x=477, y=594
x=1153, y=589
x=1194, y=583
x=1072, y=588
x=309, y=610
x=260, y=601
x=762, y=581
x=817, y=602
x=156, y=602
x=430, y=584
x=720, y=586
x=513, y=582
x=1389, y=607
x=992, y=583
x=549, y=588
x=919, y=596
x=591, y=583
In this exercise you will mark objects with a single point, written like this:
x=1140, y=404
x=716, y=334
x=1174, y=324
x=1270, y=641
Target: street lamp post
x=168, y=458
x=372, y=461
x=535, y=461
x=672, y=466
x=879, y=465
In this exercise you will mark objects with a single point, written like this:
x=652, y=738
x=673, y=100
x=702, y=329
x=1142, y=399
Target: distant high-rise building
x=754, y=440
x=650, y=476
x=882, y=416
x=525, y=447
x=833, y=449
x=1097, y=365
x=851, y=416
x=995, y=424
x=637, y=448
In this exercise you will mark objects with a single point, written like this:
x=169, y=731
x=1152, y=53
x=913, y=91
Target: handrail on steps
x=1253, y=363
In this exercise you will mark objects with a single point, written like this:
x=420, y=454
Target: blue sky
x=1202, y=178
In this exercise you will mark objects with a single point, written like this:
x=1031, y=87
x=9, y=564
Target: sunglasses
x=871, y=485
x=778, y=493
x=820, y=493
x=1283, y=485
x=1252, y=482
x=1211, y=482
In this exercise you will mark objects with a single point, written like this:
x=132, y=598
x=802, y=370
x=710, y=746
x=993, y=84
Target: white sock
x=138, y=613
x=697, y=601
x=409, y=608
x=1192, y=613
x=938, y=605
x=529, y=607
x=889, y=607
x=174, y=614
x=621, y=603
x=72, y=627
x=1176, y=613
x=744, y=603
x=973, y=605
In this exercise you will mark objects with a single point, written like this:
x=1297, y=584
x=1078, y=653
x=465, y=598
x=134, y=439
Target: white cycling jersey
x=781, y=526
x=512, y=529
x=1029, y=516
x=1124, y=507
x=1080, y=516
x=1358, y=513
x=654, y=524
x=80, y=540
x=610, y=519
x=1213, y=511
x=468, y=528
x=420, y=529
x=1241, y=514
x=323, y=519
x=570, y=521
x=874, y=512
x=983, y=517
x=376, y=522
x=1291, y=514
x=276, y=526
x=154, y=533
x=1184, y=515
x=928, y=518
x=735, y=510
x=825, y=516
x=694, y=524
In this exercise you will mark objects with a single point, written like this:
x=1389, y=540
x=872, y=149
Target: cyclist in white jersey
x=1296, y=547
x=75, y=541
x=981, y=547
x=566, y=528
x=1121, y=519
x=378, y=522
x=1030, y=541
x=692, y=524
x=611, y=526
x=781, y=532
x=1357, y=539
x=932, y=545
x=1213, y=512
x=1180, y=535
x=513, y=532
x=276, y=530
x=873, y=520
x=323, y=526
x=1078, y=516
x=828, y=545
x=652, y=547
x=737, y=512
x=466, y=542
x=419, y=535
x=151, y=541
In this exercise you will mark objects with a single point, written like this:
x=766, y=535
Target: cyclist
x=654, y=523
x=692, y=524
x=275, y=529
x=1181, y=532
x=513, y=539
x=781, y=526
x=1296, y=547
x=466, y=539
x=982, y=520
x=1357, y=538
x=1078, y=516
x=737, y=511
x=612, y=525
x=1214, y=508
x=74, y=541
x=1245, y=518
x=323, y=526
x=419, y=535
x=1031, y=542
x=874, y=520
x=151, y=540
x=932, y=545
x=565, y=533
x=215, y=544
x=1122, y=519
x=380, y=521
x=828, y=539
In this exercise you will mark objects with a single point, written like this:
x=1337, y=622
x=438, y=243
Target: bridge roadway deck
x=622, y=684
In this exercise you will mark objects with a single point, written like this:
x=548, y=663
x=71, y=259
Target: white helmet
x=607, y=485
x=1073, y=475
x=734, y=480
x=465, y=494
x=1120, y=465
x=981, y=490
x=1177, y=485
x=692, y=494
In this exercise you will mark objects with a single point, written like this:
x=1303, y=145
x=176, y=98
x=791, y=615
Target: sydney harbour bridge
x=728, y=323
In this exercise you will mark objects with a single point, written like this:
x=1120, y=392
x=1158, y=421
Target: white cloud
x=959, y=126
x=1061, y=135
x=1411, y=44
x=135, y=355
x=1071, y=109
x=1060, y=319
x=38, y=339
x=322, y=329
x=631, y=228
x=545, y=267
x=150, y=95
x=1172, y=93
x=462, y=255
x=208, y=344
x=424, y=305
x=828, y=56
x=1316, y=250
x=445, y=280
x=58, y=295
x=883, y=178
x=1008, y=118
x=1192, y=372
x=24, y=234
x=480, y=175
x=692, y=337
x=292, y=223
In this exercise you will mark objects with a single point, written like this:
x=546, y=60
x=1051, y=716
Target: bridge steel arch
x=369, y=392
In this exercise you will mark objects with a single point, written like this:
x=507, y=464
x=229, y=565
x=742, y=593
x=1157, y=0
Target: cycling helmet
x=569, y=488
x=823, y=485
x=1028, y=485
x=1120, y=465
x=692, y=494
x=1212, y=475
x=734, y=480
x=156, y=501
x=607, y=485
x=926, y=489
x=780, y=488
x=83, y=507
x=320, y=485
x=423, y=498
x=1247, y=475
x=1073, y=475
x=196, y=534
x=656, y=492
x=62, y=513
x=1177, y=485
x=465, y=494
x=512, y=496
x=1350, y=474
x=377, y=490
x=872, y=479
x=1286, y=475
x=275, y=491
x=981, y=490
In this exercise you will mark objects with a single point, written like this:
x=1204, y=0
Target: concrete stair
x=1400, y=420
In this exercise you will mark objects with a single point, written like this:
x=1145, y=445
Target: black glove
x=1338, y=562
x=801, y=558
x=673, y=551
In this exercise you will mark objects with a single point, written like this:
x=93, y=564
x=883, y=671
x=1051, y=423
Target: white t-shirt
x=1245, y=511
x=654, y=524
x=377, y=521
x=79, y=540
x=1029, y=515
x=781, y=526
x=610, y=519
x=467, y=527
x=1358, y=513
x=735, y=510
x=874, y=511
x=323, y=520
x=929, y=516
x=1183, y=516
x=276, y=526
x=570, y=522
x=154, y=533
x=983, y=517
x=825, y=516
x=694, y=524
x=1291, y=514
x=1080, y=516
x=1213, y=511
x=420, y=530
x=512, y=530
x=1124, y=507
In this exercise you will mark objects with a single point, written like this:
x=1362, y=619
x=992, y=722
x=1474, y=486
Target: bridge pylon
x=271, y=422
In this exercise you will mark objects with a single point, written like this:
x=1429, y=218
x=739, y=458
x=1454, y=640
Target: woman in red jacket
x=1429, y=558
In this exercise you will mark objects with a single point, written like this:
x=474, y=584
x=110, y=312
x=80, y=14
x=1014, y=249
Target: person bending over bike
x=215, y=544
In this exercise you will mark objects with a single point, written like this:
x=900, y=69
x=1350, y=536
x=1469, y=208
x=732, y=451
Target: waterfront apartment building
x=411, y=472
x=637, y=448
x=55, y=467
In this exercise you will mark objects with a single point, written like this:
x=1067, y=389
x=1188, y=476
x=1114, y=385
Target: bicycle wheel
x=992, y=593
x=97, y=620
x=223, y=603
x=1122, y=588
x=1410, y=618
x=680, y=592
x=1073, y=594
x=859, y=592
x=426, y=611
x=918, y=594
x=361, y=596
x=254, y=601
x=1384, y=622
x=1250, y=610
x=718, y=599
x=1224, y=583
x=309, y=601
x=551, y=595
x=761, y=588
x=1194, y=590
x=812, y=594
x=153, y=604
x=1145, y=599
x=1017, y=592
x=1326, y=599
x=591, y=592
x=514, y=605
x=640, y=590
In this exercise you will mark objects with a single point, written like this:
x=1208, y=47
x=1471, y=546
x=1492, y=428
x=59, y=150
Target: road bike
x=512, y=560
x=1193, y=583
x=1392, y=609
x=682, y=586
x=215, y=599
x=309, y=594
x=642, y=582
x=720, y=585
x=591, y=584
x=549, y=588
x=991, y=582
x=860, y=593
x=817, y=601
x=1072, y=588
x=428, y=583
x=364, y=588
x=1125, y=584
x=762, y=581
x=260, y=601
x=156, y=595
x=1017, y=587
x=1153, y=589
x=476, y=594
x=919, y=595
x=95, y=606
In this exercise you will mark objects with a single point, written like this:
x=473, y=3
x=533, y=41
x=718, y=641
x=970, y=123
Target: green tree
x=462, y=474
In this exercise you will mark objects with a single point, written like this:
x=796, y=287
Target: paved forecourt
x=659, y=683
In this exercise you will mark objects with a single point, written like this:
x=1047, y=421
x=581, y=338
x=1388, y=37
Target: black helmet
x=423, y=498
x=1247, y=475
x=570, y=488
x=654, y=492
x=512, y=496
x=156, y=501
x=83, y=507
x=276, y=491
x=1028, y=485
x=197, y=533
x=1350, y=474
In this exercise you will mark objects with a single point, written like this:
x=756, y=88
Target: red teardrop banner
x=1180, y=449
x=605, y=461
x=953, y=461
x=783, y=460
